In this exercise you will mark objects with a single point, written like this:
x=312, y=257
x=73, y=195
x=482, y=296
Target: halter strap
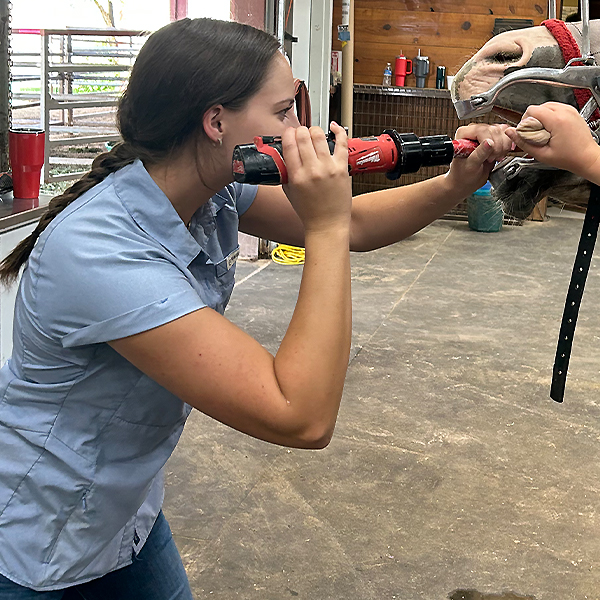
x=570, y=50
x=581, y=267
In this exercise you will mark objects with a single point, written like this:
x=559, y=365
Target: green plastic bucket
x=483, y=212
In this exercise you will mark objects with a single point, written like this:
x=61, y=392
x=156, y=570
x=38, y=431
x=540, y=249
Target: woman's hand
x=319, y=187
x=571, y=145
x=468, y=174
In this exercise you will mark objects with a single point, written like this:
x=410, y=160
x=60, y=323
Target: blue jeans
x=156, y=573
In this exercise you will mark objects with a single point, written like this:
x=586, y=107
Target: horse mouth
x=517, y=196
x=511, y=116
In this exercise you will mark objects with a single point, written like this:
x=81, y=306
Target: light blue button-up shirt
x=83, y=433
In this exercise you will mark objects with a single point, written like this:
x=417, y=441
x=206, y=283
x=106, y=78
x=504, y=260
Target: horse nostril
x=506, y=56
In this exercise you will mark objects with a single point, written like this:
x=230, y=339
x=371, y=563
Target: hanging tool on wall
x=391, y=153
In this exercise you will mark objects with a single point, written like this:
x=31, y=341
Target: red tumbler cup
x=402, y=68
x=26, y=152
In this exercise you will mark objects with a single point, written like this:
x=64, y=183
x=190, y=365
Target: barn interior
x=451, y=474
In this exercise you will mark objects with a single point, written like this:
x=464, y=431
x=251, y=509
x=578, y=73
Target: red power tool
x=391, y=153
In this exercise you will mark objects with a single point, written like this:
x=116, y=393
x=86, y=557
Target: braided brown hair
x=182, y=70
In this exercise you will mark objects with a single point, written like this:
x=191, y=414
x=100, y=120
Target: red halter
x=569, y=48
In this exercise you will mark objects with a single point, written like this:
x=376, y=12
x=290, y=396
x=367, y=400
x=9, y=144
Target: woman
x=119, y=327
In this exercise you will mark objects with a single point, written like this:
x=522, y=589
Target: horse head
x=505, y=54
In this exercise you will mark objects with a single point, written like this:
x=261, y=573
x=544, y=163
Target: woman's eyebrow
x=287, y=102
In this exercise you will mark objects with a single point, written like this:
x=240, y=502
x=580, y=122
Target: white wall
x=133, y=14
x=137, y=14
x=146, y=15
x=215, y=9
x=8, y=241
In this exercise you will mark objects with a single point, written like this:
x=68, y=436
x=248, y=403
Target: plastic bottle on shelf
x=387, y=75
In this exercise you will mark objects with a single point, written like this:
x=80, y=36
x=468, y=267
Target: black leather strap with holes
x=574, y=295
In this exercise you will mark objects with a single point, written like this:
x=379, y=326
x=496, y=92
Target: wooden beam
x=507, y=8
x=179, y=9
x=249, y=12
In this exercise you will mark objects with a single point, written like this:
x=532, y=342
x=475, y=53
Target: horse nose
x=505, y=57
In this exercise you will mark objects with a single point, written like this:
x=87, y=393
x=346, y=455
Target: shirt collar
x=153, y=211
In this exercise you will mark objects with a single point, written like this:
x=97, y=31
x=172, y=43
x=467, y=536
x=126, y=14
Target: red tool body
x=391, y=153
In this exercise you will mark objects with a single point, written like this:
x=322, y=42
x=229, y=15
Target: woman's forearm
x=312, y=360
x=388, y=216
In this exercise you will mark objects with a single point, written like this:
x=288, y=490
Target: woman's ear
x=212, y=124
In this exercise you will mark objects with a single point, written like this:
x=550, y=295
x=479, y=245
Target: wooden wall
x=447, y=31
x=250, y=12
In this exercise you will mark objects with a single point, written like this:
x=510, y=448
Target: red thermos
x=402, y=68
x=26, y=151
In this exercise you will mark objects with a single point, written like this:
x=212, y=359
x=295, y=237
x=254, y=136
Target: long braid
x=104, y=164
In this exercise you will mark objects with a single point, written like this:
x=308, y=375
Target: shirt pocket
x=225, y=277
x=227, y=265
x=67, y=513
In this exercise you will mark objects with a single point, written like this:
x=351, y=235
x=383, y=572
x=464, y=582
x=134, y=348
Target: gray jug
x=421, y=69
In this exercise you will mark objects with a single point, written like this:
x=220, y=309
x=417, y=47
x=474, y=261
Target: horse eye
x=504, y=57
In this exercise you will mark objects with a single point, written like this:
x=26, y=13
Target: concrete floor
x=451, y=469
